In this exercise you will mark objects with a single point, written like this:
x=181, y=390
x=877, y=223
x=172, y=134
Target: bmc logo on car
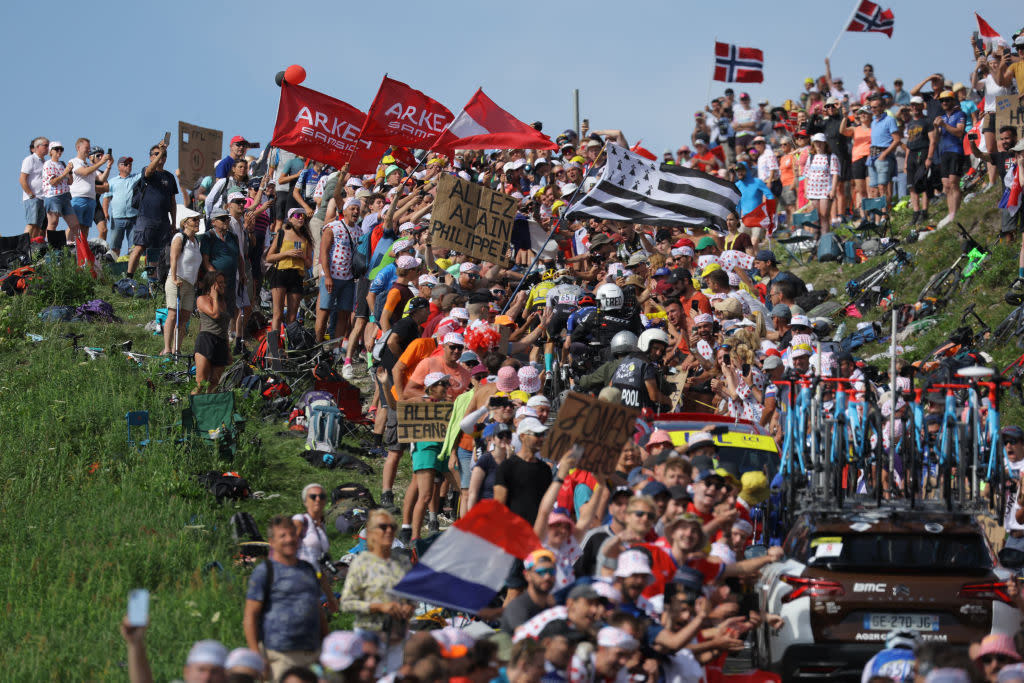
x=869, y=587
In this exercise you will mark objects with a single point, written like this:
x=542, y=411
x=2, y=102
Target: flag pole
x=843, y=29
x=554, y=228
x=711, y=79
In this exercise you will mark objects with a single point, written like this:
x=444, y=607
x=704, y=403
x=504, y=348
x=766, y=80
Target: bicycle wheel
x=1005, y=329
x=910, y=459
x=937, y=284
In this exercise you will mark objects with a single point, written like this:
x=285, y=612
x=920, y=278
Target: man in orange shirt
x=703, y=159
x=446, y=362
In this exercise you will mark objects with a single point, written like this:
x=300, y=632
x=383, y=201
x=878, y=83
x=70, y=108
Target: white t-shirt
x=683, y=667
x=32, y=166
x=82, y=186
x=741, y=116
x=992, y=91
x=1010, y=520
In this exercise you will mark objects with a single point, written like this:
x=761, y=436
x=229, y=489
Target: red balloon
x=295, y=74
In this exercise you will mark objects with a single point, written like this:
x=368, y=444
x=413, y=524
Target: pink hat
x=997, y=644
x=468, y=267
x=659, y=436
x=703, y=318
x=631, y=563
x=454, y=338
x=508, y=380
x=529, y=379
x=559, y=518
x=406, y=262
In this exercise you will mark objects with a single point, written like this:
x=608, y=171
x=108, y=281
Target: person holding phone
x=157, y=209
x=289, y=256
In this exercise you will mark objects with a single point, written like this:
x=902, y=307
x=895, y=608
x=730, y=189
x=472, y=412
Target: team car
x=850, y=576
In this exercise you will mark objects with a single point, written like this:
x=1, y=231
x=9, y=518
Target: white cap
x=433, y=378
x=244, y=657
x=207, y=652
x=611, y=636
x=460, y=313
x=454, y=338
x=818, y=137
x=351, y=201
x=340, y=649
x=531, y=425
x=631, y=563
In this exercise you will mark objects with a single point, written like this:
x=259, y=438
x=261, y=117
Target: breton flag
x=638, y=190
x=484, y=125
x=735, y=64
x=467, y=565
x=989, y=36
x=871, y=17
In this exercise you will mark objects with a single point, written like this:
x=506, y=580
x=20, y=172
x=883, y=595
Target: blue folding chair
x=798, y=246
x=137, y=419
x=876, y=216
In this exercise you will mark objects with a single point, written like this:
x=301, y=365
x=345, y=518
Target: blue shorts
x=120, y=231
x=85, y=210
x=150, y=233
x=341, y=299
x=881, y=172
x=60, y=205
x=465, y=467
x=35, y=212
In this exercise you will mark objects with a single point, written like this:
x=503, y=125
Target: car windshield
x=731, y=448
x=900, y=552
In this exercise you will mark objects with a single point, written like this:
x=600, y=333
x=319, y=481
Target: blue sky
x=121, y=73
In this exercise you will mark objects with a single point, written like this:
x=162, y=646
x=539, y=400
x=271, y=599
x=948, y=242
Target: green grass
x=86, y=518
x=931, y=255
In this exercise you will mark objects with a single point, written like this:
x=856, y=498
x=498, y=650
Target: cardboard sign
x=1010, y=112
x=198, y=152
x=472, y=220
x=423, y=421
x=600, y=427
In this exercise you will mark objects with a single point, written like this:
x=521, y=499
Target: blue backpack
x=830, y=248
x=324, y=428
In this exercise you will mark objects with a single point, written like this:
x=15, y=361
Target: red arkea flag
x=735, y=64
x=484, y=125
x=317, y=126
x=84, y=253
x=989, y=36
x=870, y=17
x=401, y=115
x=643, y=151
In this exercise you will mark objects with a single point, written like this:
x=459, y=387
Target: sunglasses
x=472, y=276
x=317, y=496
x=386, y=527
x=59, y=149
x=643, y=513
x=1010, y=441
x=456, y=347
x=544, y=571
x=443, y=383
x=1001, y=659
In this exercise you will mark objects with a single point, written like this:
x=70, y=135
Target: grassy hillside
x=87, y=517
x=933, y=253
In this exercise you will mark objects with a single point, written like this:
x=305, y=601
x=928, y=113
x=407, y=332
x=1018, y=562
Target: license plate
x=875, y=621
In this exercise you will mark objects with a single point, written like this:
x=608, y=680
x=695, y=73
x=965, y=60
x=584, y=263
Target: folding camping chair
x=347, y=397
x=16, y=251
x=876, y=217
x=138, y=419
x=799, y=244
x=211, y=419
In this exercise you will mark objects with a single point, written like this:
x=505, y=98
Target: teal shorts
x=424, y=457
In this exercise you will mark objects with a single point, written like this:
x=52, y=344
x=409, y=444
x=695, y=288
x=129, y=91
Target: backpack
x=830, y=248
x=812, y=299
x=323, y=428
x=56, y=314
x=96, y=310
x=350, y=505
x=224, y=486
x=299, y=417
x=381, y=344
x=865, y=335
x=16, y=281
x=850, y=249
x=247, y=536
x=299, y=337
x=132, y=289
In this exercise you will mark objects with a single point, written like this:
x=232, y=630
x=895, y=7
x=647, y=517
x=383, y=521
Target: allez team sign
x=319, y=127
x=404, y=116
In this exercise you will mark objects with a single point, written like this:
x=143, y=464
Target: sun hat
x=529, y=379
x=245, y=658
x=508, y=379
x=632, y=563
x=433, y=378
x=997, y=644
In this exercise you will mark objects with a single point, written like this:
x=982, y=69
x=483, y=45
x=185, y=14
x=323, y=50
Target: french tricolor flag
x=468, y=564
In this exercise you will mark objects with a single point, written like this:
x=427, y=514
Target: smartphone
x=167, y=138
x=577, y=451
x=979, y=45
x=110, y=152
x=973, y=137
x=138, y=607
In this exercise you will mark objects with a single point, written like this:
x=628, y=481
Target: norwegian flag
x=870, y=17
x=735, y=64
x=989, y=36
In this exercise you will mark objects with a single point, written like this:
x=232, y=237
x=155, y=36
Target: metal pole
x=892, y=411
x=843, y=29
x=576, y=110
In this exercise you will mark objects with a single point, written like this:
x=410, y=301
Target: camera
x=328, y=564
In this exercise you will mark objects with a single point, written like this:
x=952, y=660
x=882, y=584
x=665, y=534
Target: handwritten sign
x=1010, y=112
x=600, y=427
x=423, y=421
x=198, y=152
x=472, y=219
